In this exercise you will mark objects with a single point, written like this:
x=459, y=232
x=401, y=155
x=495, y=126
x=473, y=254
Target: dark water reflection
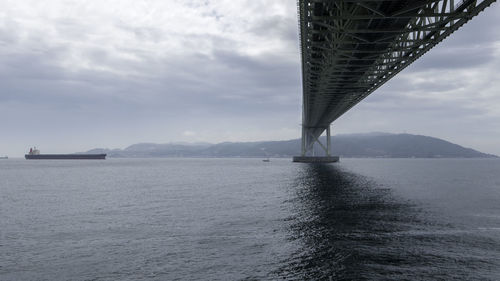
x=348, y=227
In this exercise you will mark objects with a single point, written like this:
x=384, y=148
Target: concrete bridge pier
x=308, y=141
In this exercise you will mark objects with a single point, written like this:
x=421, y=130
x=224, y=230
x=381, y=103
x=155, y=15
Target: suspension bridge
x=350, y=48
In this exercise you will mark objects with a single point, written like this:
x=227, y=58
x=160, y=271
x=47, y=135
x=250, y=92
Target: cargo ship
x=34, y=154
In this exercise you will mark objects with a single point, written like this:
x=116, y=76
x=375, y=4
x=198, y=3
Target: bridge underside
x=350, y=48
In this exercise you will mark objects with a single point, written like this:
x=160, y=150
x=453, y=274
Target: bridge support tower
x=307, y=147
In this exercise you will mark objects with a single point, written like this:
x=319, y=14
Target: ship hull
x=65, y=157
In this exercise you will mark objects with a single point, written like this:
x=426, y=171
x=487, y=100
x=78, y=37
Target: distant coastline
x=371, y=145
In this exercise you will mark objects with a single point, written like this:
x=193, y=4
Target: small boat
x=267, y=155
x=4, y=157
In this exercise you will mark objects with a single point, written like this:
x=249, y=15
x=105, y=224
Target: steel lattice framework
x=350, y=48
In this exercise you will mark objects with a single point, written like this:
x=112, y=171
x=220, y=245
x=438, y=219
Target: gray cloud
x=130, y=75
x=455, y=58
x=283, y=28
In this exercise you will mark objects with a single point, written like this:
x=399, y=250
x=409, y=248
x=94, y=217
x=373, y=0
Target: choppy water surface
x=230, y=219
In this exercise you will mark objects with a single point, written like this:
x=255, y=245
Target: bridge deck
x=350, y=48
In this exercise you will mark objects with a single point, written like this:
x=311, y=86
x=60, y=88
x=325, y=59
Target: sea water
x=244, y=219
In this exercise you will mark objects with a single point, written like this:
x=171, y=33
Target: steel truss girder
x=349, y=48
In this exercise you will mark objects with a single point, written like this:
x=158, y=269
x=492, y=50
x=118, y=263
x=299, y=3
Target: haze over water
x=206, y=219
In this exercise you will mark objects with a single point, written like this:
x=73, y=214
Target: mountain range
x=351, y=145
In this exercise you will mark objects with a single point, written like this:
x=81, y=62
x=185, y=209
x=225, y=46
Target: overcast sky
x=76, y=75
